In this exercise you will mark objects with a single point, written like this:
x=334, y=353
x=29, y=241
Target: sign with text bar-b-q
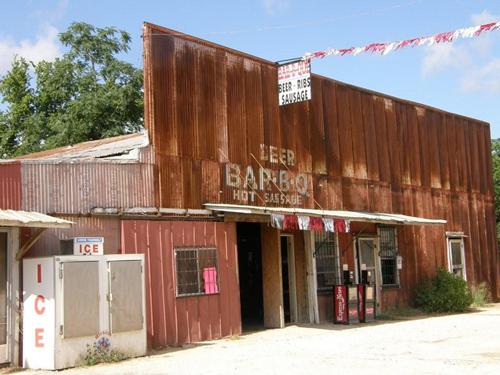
x=294, y=82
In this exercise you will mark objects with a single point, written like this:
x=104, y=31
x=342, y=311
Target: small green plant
x=445, y=292
x=480, y=295
x=98, y=353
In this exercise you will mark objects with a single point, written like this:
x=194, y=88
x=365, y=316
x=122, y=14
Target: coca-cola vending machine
x=345, y=300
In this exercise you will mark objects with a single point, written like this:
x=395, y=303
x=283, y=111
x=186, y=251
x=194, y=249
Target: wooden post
x=274, y=316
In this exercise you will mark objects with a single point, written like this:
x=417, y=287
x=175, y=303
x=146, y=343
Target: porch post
x=274, y=316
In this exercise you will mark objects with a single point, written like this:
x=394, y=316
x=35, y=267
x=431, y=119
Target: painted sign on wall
x=278, y=186
x=294, y=82
x=38, y=314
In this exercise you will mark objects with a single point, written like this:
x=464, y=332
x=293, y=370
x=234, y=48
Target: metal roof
x=124, y=147
x=12, y=218
x=373, y=217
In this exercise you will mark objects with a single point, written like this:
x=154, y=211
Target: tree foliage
x=87, y=94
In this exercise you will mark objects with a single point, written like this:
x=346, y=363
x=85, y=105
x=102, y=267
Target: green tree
x=87, y=94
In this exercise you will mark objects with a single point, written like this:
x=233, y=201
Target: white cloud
x=475, y=60
x=484, y=17
x=484, y=79
x=441, y=56
x=44, y=47
x=275, y=6
x=53, y=15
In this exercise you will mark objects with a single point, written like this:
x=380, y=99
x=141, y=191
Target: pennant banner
x=385, y=48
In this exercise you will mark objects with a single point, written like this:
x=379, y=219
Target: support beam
x=28, y=245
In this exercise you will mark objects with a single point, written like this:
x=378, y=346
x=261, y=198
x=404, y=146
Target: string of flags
x=317, y=224
x=385, y=48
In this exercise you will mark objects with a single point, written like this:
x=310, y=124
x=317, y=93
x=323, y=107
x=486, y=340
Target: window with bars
x=196, y=271
x=388, y=255
x=327, y=262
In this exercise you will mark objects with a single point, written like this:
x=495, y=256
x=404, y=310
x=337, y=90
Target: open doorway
x=288, y=279
x=250, y=275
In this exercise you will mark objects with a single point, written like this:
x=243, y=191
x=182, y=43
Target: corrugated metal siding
x=75, y=188
x=10, y=186
x=107, y=227
x=361, y=150
x=176, y=321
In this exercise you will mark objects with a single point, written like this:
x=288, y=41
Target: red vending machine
x=345, y=301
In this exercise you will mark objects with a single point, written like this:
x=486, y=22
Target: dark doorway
x=285, y=278
x=250, y=274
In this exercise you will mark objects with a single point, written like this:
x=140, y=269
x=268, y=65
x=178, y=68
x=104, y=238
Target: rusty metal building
x=215, y=124
x=195, y=193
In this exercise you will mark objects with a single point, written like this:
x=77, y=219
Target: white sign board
x=88, y=246
x=294, y=82
x=399, y=260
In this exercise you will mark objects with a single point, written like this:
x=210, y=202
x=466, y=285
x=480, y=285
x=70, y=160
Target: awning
x=371, y=217
x=12, y=218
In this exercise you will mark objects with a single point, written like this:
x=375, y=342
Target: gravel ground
x=454, y=344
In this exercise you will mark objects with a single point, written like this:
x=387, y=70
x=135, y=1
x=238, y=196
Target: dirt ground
x=453, y=344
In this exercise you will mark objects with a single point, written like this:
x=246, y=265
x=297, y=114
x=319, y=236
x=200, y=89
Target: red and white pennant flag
x=385, y=48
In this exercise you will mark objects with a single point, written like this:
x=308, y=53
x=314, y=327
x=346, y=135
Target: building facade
x=248, y=212
x=222, y=142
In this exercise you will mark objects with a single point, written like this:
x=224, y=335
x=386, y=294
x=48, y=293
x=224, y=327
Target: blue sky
x=463, y=77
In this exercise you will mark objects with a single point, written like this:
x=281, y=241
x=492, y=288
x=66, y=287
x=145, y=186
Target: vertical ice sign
x=294, y=82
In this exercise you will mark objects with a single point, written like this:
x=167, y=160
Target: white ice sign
x=294, y=82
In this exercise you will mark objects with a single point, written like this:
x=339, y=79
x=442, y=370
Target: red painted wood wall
x=10, y=186
x=176, y=321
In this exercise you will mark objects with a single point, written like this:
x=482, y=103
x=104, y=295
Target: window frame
x=198, y=270
x=337, y=271
x=395, y=255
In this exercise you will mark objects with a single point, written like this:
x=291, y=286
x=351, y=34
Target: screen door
x=367, y=255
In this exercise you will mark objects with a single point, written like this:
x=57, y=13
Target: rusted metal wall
x=107, y=227
x=208, y=105
x=10, y=185
x=176, y=321
x=77, y=187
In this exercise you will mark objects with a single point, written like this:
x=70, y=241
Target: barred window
x=388, y=255
x=327, y=265
x=196, y=271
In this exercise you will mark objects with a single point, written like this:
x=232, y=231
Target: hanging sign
x=294, y=82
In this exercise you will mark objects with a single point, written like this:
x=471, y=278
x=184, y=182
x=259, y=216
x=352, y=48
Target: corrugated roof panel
x=13, y=218
x=114, y=147
x=375, y=217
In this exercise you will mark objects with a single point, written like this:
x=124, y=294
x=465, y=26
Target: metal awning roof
x=12, y=218
x=372, y=217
